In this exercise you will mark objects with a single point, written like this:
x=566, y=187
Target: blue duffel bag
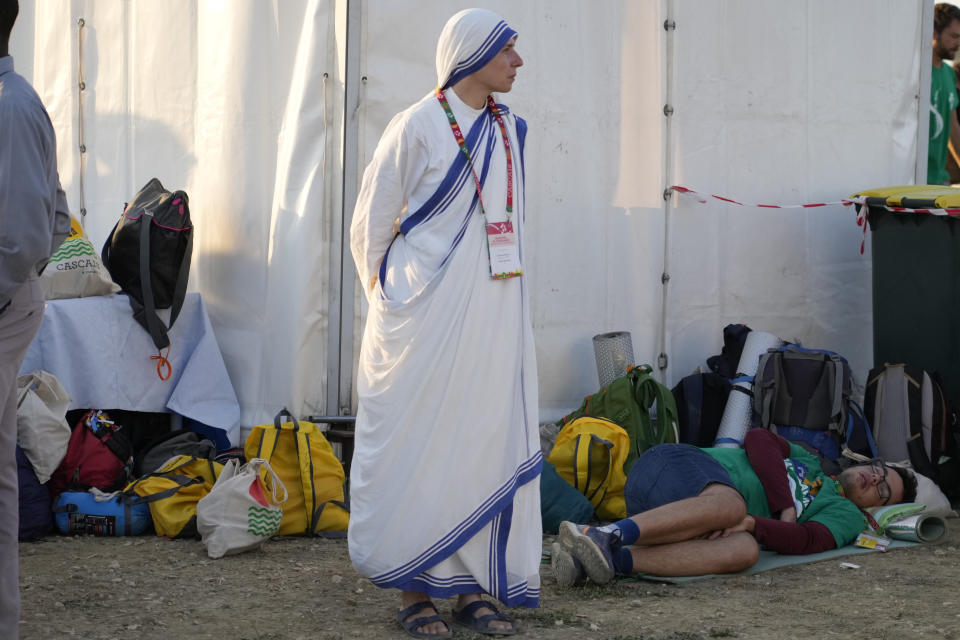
x=100, y=514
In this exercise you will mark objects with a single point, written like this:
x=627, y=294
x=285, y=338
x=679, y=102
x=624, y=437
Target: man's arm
x=953, y=146
x=766, y=450
x=791, y=538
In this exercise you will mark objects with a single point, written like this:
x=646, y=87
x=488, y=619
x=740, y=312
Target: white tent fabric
x=241, y=104
x=235, y=103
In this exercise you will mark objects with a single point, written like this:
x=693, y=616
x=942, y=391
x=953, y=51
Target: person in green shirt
x=697, y=511
x=944, y=127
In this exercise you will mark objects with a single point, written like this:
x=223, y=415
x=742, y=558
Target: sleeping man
x=698, y=511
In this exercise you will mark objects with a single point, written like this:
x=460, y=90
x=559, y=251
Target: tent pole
x=670, y=27
x=923, y=93
x=340, y=342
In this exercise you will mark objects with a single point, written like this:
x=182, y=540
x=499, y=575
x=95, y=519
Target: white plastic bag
x=238, y=514
x=42, y=429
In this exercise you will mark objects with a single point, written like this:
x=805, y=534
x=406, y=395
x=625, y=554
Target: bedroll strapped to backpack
x=911, y=416
x=304, y=461
x=804, y=395
x=589, y=454
x=627, y=402
x=148, y=254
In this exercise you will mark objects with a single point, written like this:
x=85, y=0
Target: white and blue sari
x=444, y=479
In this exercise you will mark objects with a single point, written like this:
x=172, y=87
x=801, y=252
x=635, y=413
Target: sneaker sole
x=587, y=552
x=565, y=570
x=567, y=535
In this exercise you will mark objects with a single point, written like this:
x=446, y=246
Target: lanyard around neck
x=461, y=141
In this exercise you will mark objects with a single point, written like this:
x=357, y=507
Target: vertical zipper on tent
x=670, y=27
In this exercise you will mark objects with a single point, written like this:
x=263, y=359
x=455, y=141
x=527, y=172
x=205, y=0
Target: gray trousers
x=18, y=326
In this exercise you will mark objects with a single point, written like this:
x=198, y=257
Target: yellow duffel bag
x=173, y=491
x=304, y=461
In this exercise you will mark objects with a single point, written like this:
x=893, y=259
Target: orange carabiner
x=162, y=363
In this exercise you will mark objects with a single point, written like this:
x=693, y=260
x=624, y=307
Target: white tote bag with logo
x=239, y=514
x=42, y=429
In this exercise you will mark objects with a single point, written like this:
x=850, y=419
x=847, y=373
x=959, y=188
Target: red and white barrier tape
x=862, y=214
x=703, y=198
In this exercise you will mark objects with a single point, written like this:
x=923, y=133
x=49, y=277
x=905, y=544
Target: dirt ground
x=151, y=588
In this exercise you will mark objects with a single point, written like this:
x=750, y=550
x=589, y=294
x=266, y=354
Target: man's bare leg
x=736, y=552
x=715, y=508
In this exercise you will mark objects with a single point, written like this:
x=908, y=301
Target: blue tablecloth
x=101, y=356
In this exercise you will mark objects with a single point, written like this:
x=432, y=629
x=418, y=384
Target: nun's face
x=498, y=74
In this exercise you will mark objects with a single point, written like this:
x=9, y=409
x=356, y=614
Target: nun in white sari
x=445, y=474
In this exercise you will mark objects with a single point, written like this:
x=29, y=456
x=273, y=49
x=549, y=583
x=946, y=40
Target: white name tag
x=504, y=250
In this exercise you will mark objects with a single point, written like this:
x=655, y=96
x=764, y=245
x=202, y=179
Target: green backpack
x=628, y=401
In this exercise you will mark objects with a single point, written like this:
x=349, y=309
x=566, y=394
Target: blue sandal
x=481, y=624
x=412, y=626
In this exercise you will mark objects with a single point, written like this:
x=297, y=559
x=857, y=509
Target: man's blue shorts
x=670, y=472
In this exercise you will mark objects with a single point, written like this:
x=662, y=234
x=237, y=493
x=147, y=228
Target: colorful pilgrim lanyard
x=501, y=238
x=458, y=134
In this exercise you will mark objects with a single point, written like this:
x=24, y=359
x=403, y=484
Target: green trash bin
x=916, y=280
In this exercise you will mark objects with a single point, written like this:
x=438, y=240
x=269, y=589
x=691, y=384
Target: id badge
x=504, y=250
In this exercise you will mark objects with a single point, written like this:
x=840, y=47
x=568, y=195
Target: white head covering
x=469, y=41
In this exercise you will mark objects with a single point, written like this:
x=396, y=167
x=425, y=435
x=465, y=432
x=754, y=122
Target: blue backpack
x=36, y=506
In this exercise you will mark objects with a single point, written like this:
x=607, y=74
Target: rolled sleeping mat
x=739, y=410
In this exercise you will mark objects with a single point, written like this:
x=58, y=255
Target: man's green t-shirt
x=816, y=495
x=943, y=100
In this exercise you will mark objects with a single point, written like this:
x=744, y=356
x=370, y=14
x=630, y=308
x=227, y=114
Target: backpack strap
x=871, y=396
x=940, y=421
x=129, y=497
x=838, y=410
x=583, y=467
x=105, y=251
x=305, y=461
x=918, y=453
x=148, y=311
x=316, y=520
x=692, y=389
x=856, y=410
x=183, y=271
x=762, y=402
x=647, y=391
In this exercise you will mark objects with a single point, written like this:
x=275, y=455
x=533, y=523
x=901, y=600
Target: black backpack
x=726, y=362
x=701, y=399
x=148, y=255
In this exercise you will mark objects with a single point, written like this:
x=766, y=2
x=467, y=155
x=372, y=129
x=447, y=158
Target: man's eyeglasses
x=879, y=468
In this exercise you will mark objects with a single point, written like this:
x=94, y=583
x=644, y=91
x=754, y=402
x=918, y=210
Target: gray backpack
x=911, y=416
x=804, y=395
x=175, y=443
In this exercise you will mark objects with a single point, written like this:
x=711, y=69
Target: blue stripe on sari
x=519, y=595
x=441, y=199
x=452, y=182
x=469, y=527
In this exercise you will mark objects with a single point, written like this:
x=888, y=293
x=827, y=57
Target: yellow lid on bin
x=914, y=196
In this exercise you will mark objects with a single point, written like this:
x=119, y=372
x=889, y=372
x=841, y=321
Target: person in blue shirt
x=33, y=222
